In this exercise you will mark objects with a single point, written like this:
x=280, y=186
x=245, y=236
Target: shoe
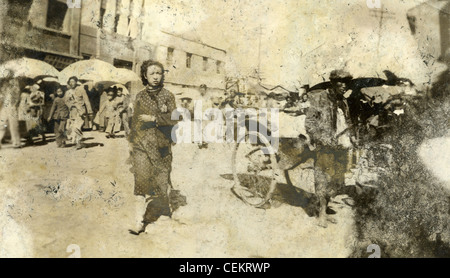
x=139, y=231
x=30, y=142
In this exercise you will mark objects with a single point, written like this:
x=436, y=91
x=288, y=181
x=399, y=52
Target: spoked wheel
x=254, y=170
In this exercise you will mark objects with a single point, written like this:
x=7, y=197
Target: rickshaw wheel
x=256, y=184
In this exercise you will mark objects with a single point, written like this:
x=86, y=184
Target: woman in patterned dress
x=150, y=143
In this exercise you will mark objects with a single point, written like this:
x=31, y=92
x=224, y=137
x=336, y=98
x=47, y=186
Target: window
x=219, y=67
x=116, y=23
x=86, y=56
x=18, y=9
x=205, y=63
x=56, y=14
x=188, y=60
x=102, y=15
x=169, y=58
x=123, y=64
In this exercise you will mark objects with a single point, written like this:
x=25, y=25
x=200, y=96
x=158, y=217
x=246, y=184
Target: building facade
x=113, y=31
x=430, y=24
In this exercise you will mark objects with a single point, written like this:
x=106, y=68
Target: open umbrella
x=92, y=69
x=119, y=76
x=27, y=67
x=125, y=75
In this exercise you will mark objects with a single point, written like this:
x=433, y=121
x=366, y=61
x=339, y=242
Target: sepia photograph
x=224, y=129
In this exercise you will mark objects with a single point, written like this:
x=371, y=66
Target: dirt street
x=52, y=198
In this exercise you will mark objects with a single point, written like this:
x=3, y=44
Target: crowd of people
x=27, y=112
x=147, y=124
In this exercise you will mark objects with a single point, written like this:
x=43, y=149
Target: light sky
x=302, y=40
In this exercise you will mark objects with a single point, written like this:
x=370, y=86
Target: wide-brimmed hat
x=340, y=75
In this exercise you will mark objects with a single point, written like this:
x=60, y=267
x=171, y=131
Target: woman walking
x=79, y=107
x=150, y=140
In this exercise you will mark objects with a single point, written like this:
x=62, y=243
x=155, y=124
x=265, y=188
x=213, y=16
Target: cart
x=270, y=155
x=257, y=171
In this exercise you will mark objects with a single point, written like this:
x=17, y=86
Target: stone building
x=117, y=32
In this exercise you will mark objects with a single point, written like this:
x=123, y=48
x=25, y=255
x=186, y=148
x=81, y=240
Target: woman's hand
x=147, y=118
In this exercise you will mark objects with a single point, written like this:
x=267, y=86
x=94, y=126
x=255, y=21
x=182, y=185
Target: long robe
x=152, y=154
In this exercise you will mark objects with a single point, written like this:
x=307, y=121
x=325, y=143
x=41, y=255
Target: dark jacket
x=59, y=110
x=321, y=117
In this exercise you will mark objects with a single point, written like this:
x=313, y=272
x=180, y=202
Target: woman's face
x=59, y=92
x=154, y=75
x=72, y=83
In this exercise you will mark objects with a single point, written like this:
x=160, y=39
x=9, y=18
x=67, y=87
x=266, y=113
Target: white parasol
x=27, y=67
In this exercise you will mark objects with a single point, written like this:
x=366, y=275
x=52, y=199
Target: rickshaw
x=256, y=171
x=259, y=164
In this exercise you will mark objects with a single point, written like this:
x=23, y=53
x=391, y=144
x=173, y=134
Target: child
x=110, y=113
x=59, y=113
x=35, y=112
x=122, y=103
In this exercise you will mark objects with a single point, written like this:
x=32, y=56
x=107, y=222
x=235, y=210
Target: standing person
x=99, y=119
x=329, y=126
x=59, y=113
x=93, y=92
x=204, y=96
x=150, y=140
x=23, y=108
x=79, y=107
x=109, y=111
x=35, y=125
x=9, y=103
x=123, y=102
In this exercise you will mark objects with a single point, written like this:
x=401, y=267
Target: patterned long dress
x=151, y=152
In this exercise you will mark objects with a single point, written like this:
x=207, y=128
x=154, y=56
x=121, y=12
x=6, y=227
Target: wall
x=428, y=19
x=178, y=73
x=23, y=31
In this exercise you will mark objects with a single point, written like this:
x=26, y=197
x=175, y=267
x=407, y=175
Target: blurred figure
x=122, y=102
x=110, y=111
x=79, y=107
x=9, y=102
x=186, y=102
x=207, y=101
x=35, y=125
